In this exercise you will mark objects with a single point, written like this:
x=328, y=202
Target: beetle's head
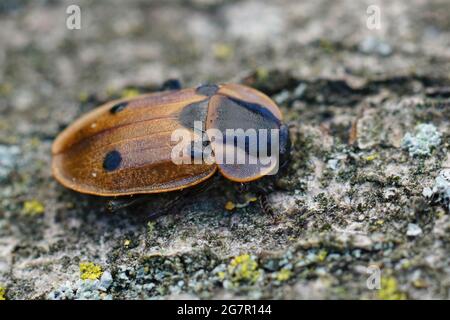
x=285, y=146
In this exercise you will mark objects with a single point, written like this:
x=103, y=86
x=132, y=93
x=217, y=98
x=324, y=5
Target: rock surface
x=353, y=198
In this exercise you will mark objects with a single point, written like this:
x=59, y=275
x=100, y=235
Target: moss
x=2, y=293
x=89, y=270
x=389, y=290
x=244, y=269
x=33, y=208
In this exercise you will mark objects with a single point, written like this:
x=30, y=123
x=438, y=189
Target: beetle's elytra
x=124, y=147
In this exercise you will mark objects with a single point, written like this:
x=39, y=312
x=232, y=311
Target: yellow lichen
x=5, y=89
x=372, y=157
x=2, y=293
x=126, y=242
x=83, y=96
x=33, y=208
x=244, y=268
x=230, y=206
x=420, y=283
x=283, y=275
x=322, y=255
x=262, y=74
x=249, y=198
x=223, y=51
x=389, y=290
x=129, y=93
x=406, y=264
x=89, y=270
x=221, y=275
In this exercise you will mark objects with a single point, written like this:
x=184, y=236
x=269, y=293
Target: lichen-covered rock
x=84, y=289
x=441, y=189
x=8, y=160
x=426, y=137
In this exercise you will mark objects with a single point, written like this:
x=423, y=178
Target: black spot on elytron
x=195, y=111
x=112, y=160
x=257, y=109
x=118, y=107
x=207, y=89
x=171, y=84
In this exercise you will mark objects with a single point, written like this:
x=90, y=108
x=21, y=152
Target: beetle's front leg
x=181, y=198
x=117, y=204
x=266, y=206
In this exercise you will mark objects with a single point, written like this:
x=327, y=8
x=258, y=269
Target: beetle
x=124, y=147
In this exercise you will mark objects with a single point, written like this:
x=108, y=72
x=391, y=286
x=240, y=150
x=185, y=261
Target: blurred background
x=327, y=63
x=45, y=66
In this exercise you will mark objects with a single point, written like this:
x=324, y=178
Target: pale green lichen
x=89, y=270
x=8, y=159
x=426, y=137
x=84, y=289
x=441, y=189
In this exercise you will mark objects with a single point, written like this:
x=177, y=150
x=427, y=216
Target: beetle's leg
x=266, y=206
x=242, y=189
x=183, y=197
x=117, y=204
x=176, y=202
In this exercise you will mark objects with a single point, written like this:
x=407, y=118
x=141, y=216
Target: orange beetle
x=124, y=147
